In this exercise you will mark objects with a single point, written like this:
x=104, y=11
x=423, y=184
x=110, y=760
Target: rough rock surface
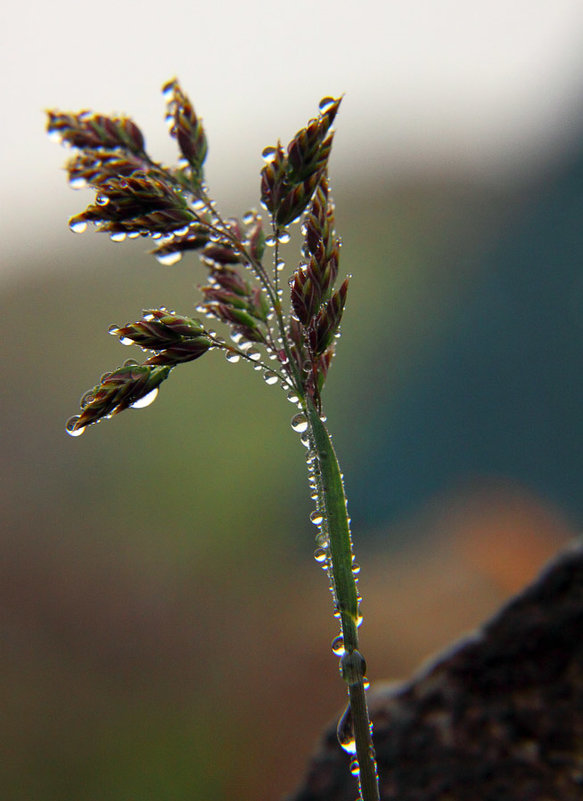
x=498, y=717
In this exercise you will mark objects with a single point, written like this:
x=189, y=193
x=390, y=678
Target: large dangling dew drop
x=70, y=426
x=148, y=399
x=78, y=226
x=168, y=259
x=345, y=732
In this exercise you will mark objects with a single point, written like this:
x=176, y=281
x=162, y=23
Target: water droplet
x=126, y=341
x=78, y=183
x=299, y=422
x=253, y=354
x=113, y=330
x=352, y=667
x=101, y=200
x=316, y=517
x=78, y=226
x=280, y=266
x=70, y=426
x=325, y=103
x=292, y=396
x=345, y=732
x=320, y=555
x=87, y=398
x=270, y=241
x=305, y=439
x=146, y=400
x=354, y=768
x=118, y=236
x=130, y=363
x=283, y=237
x=168, y=259
x=338, y=645
x=268, y=153
x=355, y=568
x=232, y=357
x=270, y=377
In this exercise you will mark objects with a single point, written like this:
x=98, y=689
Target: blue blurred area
x=498, y=391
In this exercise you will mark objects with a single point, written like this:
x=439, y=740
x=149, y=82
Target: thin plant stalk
x=336, y=536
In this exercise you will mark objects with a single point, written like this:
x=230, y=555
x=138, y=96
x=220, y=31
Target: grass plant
x=289, y=343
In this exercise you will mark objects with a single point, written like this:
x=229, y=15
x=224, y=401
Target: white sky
x=484, y=84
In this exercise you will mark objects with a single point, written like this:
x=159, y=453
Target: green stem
x=332, y=502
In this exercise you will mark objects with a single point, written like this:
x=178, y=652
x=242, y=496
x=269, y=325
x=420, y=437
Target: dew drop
x=280, y=266
x=292, y=397
x=270, y=241
x=146, y=400
x=78, y=226
x=126, y=341
x=338, y=645
x=70, y=426
x=129, y=363
x=168, y=259
x=268, y=153
x=118, y=236
x=316, y=517
x=325, y=103
x=299, y=422
x=345, y=732
x=270, y=377
x=320, y=555
x=113, y=330
x=253, y=354
x=305, y=439
x=232, y=357
x=87, y=398
x=77, y=183
x=283, y=237
x=101, y=200
x=355, y=568
x=354, y=768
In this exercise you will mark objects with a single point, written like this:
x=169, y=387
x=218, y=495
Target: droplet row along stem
x=331, y=492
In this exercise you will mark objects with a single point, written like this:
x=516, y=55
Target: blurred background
x=165, y=631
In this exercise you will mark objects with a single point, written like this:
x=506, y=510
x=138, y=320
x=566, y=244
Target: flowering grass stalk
x=136, y=196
